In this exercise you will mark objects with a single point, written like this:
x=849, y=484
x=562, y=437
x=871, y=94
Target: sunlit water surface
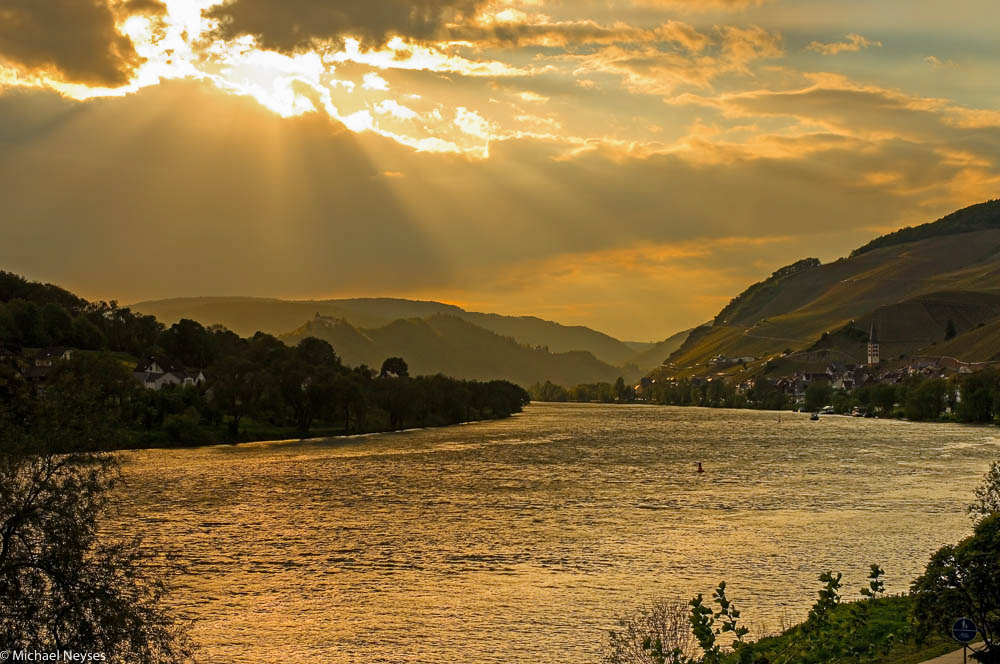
x=521, y=540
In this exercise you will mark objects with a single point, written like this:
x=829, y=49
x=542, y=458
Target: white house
x=154, y=373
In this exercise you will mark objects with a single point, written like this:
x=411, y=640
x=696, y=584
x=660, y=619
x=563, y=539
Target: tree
x=64, y=584
x=237, y=387
x=884, y=397
x=987, y=500
x=949, y=330
x=85, y=334
x=317, y=352
x=623, y=392
x=56, y=323
x=394, y=367
x=819, y=393
x=189, y=342
x=925, y=401
x=964, y=580
x=979, y=395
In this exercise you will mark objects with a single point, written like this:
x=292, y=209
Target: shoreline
x=268, y=438
x=769, y=410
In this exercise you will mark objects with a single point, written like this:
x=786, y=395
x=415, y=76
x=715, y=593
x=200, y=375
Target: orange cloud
x=651, y=70
x=855, y=42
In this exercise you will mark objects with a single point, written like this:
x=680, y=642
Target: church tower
x=873, y=347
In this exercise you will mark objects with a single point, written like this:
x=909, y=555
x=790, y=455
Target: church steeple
x=873, y=355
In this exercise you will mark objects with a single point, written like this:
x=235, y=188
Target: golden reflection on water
x=520, y=540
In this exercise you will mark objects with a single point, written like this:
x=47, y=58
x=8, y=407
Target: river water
x=519, y=541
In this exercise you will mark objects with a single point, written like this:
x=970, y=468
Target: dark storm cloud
x=74, y=39
x=290, y=24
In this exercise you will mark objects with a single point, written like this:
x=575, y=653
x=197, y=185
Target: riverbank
x=898, y=416
x=257, y=432
x=966, y=399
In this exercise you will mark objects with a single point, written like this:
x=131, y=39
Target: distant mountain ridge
x=908, y=284
x=246, y=315
x=444, y=343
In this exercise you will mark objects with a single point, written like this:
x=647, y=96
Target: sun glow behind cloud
x=423, y=92
x=665, y=107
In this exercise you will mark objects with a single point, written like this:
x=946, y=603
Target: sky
x=630, y=165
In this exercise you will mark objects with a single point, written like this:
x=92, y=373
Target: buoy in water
x=700, y=469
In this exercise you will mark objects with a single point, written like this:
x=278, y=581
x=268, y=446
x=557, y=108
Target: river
x=519, y=541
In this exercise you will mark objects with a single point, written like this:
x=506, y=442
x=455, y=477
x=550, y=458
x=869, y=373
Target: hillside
x=447, y=344
x=979, y=217
x=909, y=283
x=657, y=353
x=246, y=315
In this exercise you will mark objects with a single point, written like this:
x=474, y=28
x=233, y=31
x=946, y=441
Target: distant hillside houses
x=722, y=361
x=155, y=373
x=42, y=363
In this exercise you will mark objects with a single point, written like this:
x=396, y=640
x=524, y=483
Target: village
x=747, y=377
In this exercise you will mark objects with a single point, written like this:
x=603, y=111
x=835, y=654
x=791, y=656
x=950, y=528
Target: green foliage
x=623, y=393
x=189, y=342
x=949, y=330
x=63, y=584
x=964, y=581
x=987, y=494
x=980, y=396
x=394, y=367
x=713, y=393
x=548, y=392
x=819, y=394
x=835, y=632
x=184, y=428
x=14, y=287
x=707, y=625
x=925, y=401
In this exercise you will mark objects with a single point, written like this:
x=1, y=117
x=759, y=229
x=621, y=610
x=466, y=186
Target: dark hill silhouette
x=447, y=344
x=246, y=315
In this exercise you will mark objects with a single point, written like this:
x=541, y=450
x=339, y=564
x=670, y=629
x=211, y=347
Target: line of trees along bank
x=266, y=391
x=973, y=398
x=257, y=387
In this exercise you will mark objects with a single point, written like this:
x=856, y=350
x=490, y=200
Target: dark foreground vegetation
x=962, y=580
x=65, y=587
x=252, y=389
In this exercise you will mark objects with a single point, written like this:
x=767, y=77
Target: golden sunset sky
x=624, y=164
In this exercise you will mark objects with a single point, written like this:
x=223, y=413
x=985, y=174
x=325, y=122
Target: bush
x=987, y=494
x=184, y=428
x=660, y=627
x=964, y=580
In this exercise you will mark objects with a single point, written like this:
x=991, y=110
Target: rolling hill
x=656, y=354
x=443, y=343
x=246, y=315
x=909, y=284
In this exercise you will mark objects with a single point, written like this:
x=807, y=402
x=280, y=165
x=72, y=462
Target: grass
x=886, y=615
